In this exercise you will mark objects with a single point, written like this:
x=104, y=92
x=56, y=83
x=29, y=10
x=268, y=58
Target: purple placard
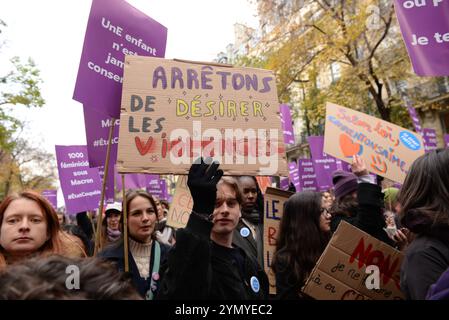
x=415, y=119
x=109, y=188
x=430, y=139
x=425, y=28
x=284, y=184
x=286, y=121
x=115, y=28
x=294, y=175
x=157, y=187
x=52, y=197
x=324, y=164
x=446, y=140
x=80, y=184
x=132, y=181
x=307, y=175
x=97, y=133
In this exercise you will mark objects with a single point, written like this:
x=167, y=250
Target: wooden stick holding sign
x=125, y=225
x=98, y=241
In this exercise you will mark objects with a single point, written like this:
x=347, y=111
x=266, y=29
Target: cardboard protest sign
x=114, y=29
x=286, y=120
x=274, y=209
x=387, y=149
x=173, y=112
x=323, y=163
x=341, y=273
x=415, y=119
x=181, y=206
x=52, y=197
x=446, y=140
x=425, y=30
x=307, y=176
x=80, y=184
x=430, y=139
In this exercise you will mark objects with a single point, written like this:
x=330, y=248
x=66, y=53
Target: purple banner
x=425, y=30
x=286, y=121
x=430, y=139
x=80, y=184
x=294, y=175
x=284, y=184
x=109, y=192
x=132, y=180
x=307, y=176
x=97, y=132
x=114, y=29
x=415, y=119
x=158, y=187
x=324, y=164
x=52, y=197
x=446, y=140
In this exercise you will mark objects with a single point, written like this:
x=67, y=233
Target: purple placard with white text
x=324, y=164
x=425, y=30
x=286, y=121
x=80, y=184
x=307, y=176
x=430, y=139
x=52, y=197
x=114, y=29
x=293, y=173
x=284, y=184
x=415, y=119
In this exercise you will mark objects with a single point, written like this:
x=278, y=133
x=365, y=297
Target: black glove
x=202, y=182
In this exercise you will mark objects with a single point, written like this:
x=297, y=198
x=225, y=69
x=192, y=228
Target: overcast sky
x=52, y=33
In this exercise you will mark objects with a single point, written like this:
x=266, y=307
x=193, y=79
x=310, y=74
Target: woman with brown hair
x=29, y=227
x=146, y=254
x=424, y=200
x=303, y=236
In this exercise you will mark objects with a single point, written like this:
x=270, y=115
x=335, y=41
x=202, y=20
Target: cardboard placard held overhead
x=174, y=112
x=341, y=273
x=274, y=210
x=387, y=149
x=181, y=206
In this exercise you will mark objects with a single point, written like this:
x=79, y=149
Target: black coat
x=425, y=260
x=115, y=254
x=200, y=269
x=253, y=248
x=369, y=215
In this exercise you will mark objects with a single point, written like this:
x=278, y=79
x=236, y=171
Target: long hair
x=424, y=196
x=130, y=196
x=53, y=245
x=346, y=205
x=300, y=241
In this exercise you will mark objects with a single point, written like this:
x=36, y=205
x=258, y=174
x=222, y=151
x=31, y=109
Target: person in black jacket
x=424, y=200
x=204, y=264
x=249, y=232
x=146, y=254
x=359, y=201
x=303, y=235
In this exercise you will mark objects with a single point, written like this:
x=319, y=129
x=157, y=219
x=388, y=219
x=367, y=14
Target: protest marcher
x=249, y=232
x=46, y=278
x=146, y=253
x=164, y=233
x=111, y=224
x=61, y=218
x=328, y=199
x=204, y=264
x=424, y=200
x=29, y=227
x=359, y=201
x=303, y=235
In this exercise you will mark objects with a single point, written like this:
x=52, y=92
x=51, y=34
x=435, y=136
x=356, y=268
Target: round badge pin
x=244, y=232
x=255, y=284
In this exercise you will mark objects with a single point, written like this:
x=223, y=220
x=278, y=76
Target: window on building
x=335, y=71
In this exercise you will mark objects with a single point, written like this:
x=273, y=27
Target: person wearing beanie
x=359, y=201
x=111, y=224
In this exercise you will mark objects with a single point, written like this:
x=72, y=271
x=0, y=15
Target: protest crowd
x=366, y=216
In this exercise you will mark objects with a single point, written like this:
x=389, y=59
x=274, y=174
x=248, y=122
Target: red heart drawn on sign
x=144, y=149
x=348, y=147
